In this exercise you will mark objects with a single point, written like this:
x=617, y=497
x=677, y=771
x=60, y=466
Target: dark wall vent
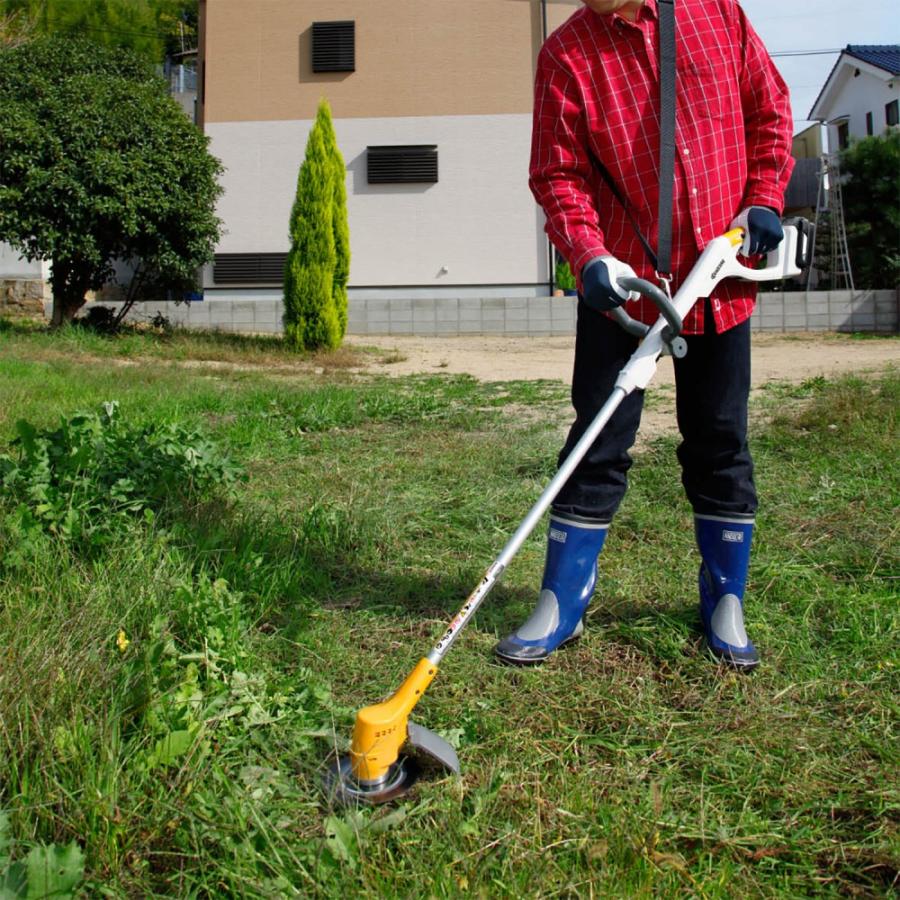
x=405, y=164
x=334, y=46
x=249, y=268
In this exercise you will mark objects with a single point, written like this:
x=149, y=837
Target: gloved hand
x=599, y=283
x=762, y=230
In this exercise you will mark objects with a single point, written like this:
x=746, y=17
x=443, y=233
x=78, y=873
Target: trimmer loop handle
x=663, y=304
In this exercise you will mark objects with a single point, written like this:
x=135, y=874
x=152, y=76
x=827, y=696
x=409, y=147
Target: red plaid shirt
x=597, y=85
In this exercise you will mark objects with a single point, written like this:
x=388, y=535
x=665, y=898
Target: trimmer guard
x=433, y=746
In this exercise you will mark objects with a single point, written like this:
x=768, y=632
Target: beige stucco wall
x=413, y=57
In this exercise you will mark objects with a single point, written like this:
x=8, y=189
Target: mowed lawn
x=170, y=689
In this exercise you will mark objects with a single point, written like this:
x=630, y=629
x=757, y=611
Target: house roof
x=883, y=56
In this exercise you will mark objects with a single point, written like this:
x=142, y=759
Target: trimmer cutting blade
x=343, y=789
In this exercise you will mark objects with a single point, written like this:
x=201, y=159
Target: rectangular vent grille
x=334, y=46
x=249, y=268
x=407, y=164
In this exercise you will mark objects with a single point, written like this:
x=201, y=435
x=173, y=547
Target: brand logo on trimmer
x=717, y=268
x=556, y=535
x=733, y=537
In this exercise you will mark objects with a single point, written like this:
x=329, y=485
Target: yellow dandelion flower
x=122, y=641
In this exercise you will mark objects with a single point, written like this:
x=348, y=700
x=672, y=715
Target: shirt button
x=687, y=151
x=694, y=191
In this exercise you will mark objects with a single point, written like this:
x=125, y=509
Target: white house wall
x=856, y=95
x=478, y=225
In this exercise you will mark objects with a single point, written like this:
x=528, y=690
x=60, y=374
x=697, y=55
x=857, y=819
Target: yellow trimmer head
x=374, y=771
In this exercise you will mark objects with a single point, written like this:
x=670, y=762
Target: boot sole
x=731, y=662
x=536, y=661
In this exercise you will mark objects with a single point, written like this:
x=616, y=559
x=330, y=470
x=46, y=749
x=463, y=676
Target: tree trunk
x=70, y=283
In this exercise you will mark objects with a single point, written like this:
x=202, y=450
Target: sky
x=792, y=25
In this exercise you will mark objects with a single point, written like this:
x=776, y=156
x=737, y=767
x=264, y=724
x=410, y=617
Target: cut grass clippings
x=166, y=701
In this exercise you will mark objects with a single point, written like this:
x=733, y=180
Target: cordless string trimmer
x=374, y=771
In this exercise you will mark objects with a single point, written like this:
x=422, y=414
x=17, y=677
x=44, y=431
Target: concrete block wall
x=463, y=315
x=869, y=311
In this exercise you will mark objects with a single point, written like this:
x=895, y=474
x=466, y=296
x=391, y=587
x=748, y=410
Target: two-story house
x=861, y=96
x=432, y=105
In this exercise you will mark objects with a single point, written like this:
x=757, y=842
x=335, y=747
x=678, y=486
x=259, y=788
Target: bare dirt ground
x=791, y=358
x=776, y=357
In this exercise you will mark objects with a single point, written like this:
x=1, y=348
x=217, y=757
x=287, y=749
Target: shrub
x=871, y=199
x=318, y=261
x=98, y=163
x=340, y=225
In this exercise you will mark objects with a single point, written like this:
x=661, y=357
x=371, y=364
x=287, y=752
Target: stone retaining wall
x=23, y=297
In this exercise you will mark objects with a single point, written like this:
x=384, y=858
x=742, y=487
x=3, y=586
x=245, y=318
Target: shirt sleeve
x=561, y=171
x=768, y=123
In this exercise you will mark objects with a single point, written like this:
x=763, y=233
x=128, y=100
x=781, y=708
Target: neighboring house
x=861, y=96
x=432, y=106
x=802, y=190
x=181, y=74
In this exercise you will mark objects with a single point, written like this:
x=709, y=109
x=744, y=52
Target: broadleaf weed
x=83, y=480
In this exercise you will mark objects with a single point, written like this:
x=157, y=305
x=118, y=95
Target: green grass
x=187, y=763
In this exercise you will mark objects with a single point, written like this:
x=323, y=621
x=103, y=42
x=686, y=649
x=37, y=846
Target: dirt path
x=776, y=357
x=792, y=358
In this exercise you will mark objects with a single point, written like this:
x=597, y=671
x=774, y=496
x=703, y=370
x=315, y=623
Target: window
x=403, y=164
x=843, y=135
x=892, y=112
x=334, y=47
x=870, y=125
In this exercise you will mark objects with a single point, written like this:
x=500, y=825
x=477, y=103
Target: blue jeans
x=712, y=385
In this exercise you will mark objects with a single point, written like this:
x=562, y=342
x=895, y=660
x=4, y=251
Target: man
x=597, y=104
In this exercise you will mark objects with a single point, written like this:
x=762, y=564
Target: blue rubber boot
x=570, y=573
x=725, y=549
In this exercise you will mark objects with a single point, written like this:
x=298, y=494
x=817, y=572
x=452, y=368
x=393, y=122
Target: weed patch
x=80, y=480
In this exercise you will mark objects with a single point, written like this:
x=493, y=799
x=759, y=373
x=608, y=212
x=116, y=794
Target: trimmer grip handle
x=632, y=326
x=806, y=237
x=659, y=298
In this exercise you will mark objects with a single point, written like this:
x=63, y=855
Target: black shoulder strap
x=662, y=258
x=666, y=133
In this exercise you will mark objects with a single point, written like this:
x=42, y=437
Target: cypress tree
x=310, y=318
x=340, y=224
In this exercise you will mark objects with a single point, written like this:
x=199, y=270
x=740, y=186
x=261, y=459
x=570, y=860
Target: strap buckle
x=665, y=279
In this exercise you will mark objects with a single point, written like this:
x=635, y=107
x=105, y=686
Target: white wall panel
x=12, y=265
x=479, y=222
